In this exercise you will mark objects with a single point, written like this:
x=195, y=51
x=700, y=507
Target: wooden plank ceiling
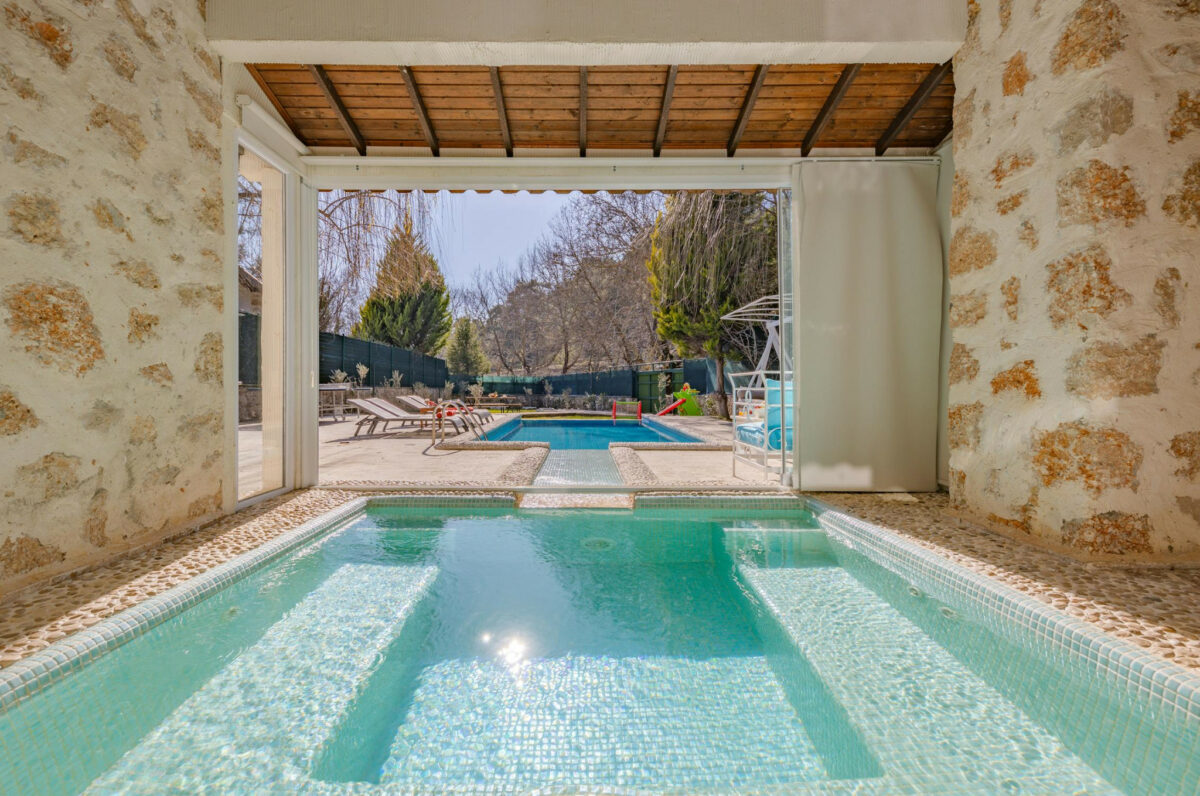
x=734, y=108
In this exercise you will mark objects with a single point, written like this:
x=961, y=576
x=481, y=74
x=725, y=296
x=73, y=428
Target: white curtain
x=868, y=281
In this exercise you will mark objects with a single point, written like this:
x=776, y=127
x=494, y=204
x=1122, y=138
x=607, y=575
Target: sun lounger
x=373, y=416
x=417, y=404
x=389, y=409
x=482, y=415
x=375, y=411
x=414, y=403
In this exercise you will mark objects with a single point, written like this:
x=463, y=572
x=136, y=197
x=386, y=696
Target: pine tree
x=407, y=264
x=409, y=305
x=419, y=321
x=464, y=353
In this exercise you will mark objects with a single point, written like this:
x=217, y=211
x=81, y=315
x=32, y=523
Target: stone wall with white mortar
x=1075, y=270
x=110, y=280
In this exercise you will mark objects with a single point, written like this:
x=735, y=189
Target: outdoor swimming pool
x=585, y=434
x=707, y=645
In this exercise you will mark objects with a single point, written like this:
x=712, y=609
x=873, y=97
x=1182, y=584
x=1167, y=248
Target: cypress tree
x=464, y=353
x=409, y=306
x=419, y=321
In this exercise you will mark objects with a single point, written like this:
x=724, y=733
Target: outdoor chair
x=373, y=415
x=425, y=420
x=762, y=421
x=417, y=404
x=483, y=415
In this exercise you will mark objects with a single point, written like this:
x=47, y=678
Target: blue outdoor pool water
x=586, y=434
x=445, y=650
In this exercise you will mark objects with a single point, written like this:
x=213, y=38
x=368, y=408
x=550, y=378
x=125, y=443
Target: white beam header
x=557, y=174
x=587, y=32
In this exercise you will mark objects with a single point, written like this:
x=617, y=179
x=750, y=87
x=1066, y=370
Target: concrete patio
x=409, y=457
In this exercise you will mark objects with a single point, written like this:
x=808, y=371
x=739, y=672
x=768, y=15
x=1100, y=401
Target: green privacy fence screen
x=640, y=383
x=338, y=352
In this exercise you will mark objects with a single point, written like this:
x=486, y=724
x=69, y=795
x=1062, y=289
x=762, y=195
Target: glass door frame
x=298, y=441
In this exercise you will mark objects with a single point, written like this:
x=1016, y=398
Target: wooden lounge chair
x=388, y=409
x=374, y=414
x=417, y=404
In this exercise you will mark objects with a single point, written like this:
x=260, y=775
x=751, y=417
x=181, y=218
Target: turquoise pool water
x=431, y=650
x=586, y=434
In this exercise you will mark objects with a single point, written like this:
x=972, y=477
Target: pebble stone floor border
x=36, y=617
x=1157, y=608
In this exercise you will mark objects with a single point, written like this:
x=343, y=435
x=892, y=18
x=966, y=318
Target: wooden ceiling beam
x=501, y=111
x=274, y=100
x=665, y=110
x=760, y=74
x=806, y=106
x=422, y=112
x=831, y=105
x=343, y=115
x=919, y=98
x=583, y=103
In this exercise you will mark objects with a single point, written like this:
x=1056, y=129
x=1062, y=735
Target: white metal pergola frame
x=306, y=174
x=764, y=311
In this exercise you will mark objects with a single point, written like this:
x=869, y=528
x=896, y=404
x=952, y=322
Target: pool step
x=779, y=543
x=576, y=500
x=263, y=717
x=933, y=724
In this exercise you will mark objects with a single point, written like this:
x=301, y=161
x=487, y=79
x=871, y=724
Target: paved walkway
x=402, y=457
x=409, y=457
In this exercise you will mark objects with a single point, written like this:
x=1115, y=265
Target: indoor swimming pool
x=689, y=645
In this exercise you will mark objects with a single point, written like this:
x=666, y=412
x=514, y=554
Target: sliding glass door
x=789, y=373
x=261, y=326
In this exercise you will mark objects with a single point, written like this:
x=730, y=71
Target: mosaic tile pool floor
x=568, y=467
x=675, y=647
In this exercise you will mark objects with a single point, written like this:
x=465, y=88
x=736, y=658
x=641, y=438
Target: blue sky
x=482, y=229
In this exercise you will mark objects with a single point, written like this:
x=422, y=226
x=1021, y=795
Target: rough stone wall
x=1075, y=275
x=110, y=280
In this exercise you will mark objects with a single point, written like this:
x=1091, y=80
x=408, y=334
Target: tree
x=419, y=321
x=509, y=307
x=250, y=226
x=354, y=229
x=578, y=299
x=464, y=353
x=409, y=305
x=407, y=263
x=710, y=254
